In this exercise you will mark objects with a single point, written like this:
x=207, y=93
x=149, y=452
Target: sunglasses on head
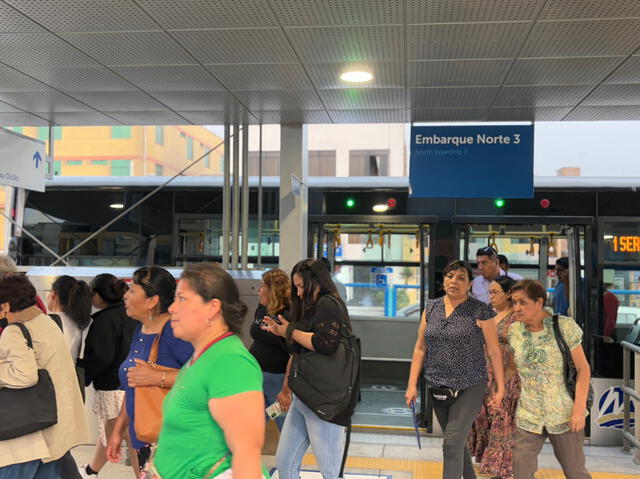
x=486, y=251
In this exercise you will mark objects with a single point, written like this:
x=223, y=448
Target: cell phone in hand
x=275, y=318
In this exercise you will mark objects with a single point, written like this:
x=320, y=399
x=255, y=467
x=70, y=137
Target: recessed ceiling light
x=116, y=206
x=381, y=208
x=356, y=76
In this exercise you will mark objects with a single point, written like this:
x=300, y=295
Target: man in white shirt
x=504, y=265
x=489, y=269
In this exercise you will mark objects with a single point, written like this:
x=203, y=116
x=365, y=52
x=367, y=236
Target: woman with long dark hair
x=70, y=299
x=317, y=321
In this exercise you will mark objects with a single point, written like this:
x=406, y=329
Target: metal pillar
x=260, y=200
x=235, y=209
x=226, y=197
x=244, y=253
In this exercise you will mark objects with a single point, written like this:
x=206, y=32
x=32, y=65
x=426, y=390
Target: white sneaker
x=82, y=469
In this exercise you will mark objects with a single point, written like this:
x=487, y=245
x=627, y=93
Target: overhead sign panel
x=471, y=161
x=22, y=161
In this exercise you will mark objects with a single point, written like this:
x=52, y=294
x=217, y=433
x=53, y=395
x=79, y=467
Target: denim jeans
x=301, y=428
x=31, y=470
x=272, y=385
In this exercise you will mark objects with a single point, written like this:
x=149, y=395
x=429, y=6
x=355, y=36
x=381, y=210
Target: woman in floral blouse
x=545, y=408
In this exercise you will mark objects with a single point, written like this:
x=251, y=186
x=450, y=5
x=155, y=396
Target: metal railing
x=628, y=393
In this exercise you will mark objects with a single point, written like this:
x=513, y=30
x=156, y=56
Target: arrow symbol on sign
x=37, y=158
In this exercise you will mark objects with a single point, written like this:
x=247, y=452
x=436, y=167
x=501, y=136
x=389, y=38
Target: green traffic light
x=350, y=203
x=499, y=202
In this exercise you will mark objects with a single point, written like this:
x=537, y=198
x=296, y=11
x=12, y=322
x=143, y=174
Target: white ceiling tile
x=79, y=78
x=587, y=38
x=21, y=119
x=458, y=72
x=628, y=72
x=50, y=101
x=13, y=80
x=541, y=95
x=118, y=101
x=427, y=98
x=448, y=114
x=292, y=117
x=170, y=77
x=338, y=12
x=196, y=100
x=363, y=98
x=237, y=46
x=528, y=114
x=559, y=71
x=40, y=49
x=266, y=76
x=369, y=116
x=354, y=44
x=216, y=117
x=385, y=74
x=81, y=118
x=289, y=100
x=130, y=48
x=581, y=9
x=477, y=40
x=12, y=21
x=605, y=113
x=458, y=11
x=209, y=14
x=6, y=108
x=610, y=95
x=148, y=118
x=86, y=16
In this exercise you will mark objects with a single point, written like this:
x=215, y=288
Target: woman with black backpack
x=316, y=336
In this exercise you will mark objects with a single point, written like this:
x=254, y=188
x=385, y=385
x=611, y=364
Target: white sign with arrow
x=22, y=161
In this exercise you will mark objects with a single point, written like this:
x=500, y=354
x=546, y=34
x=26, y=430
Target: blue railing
x=390, y=294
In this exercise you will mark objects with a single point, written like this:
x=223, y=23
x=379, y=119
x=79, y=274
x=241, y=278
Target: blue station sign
x=471, y=161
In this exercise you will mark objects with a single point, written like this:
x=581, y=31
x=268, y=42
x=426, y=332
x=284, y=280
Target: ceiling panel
x=280, y=100
x=369, y=116
x=333, y=12
x=215, y=117
x=148, y=118
x=448, y=115
x=628, y=72
x=563, y=9
x=119, y=101
x=79, y=78
x=425, y=98
x=604, y=113
x=478, y=40
x=541, y=95
x=21, y=119
x=449, y=11
x=292, y=117
x=39, y=49
x=583, y=38
x=12, y=21
x=130, y=48
x=237, y=46
x=363, y=98
x=196, y=100
x=531, y=114
x=287, y=76
x=170, y=77
x=609, y=95
x=6, y=108
x=385, y=74
x=209, y=14
x=558, y=71
x=12, y=80
x=355, y=44
x=49, y=101
x=458, y=73
x=81, y=118
x=85, y=16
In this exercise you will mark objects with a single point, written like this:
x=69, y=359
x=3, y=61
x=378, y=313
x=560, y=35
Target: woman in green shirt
x=545, y=408
x=213, y=418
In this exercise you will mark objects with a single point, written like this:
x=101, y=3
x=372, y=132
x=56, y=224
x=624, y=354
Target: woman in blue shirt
x=148, y=300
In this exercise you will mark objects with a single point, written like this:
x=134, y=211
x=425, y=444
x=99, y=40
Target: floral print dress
x=491, y=437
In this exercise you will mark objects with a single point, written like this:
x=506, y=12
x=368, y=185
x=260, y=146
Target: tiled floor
x=397, y=456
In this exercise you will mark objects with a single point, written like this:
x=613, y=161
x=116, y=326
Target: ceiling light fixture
x=356, y=76
x=116, y=206
x=381, y=208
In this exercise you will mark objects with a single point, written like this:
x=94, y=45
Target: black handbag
x=570, y=372
x=27, y=410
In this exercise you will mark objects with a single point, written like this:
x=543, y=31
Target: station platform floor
x=396, y=456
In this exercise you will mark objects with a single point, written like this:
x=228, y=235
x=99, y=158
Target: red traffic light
x=391, y=202
x=545, y=203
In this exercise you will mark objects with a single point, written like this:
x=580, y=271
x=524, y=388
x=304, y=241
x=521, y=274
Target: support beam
x=235, y=208
x=244, y=253
x=226, y=197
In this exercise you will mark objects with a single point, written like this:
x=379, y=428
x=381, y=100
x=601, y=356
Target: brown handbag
x=148, y=401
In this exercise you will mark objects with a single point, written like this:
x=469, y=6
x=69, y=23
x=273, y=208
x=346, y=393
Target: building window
x=159, y=135
x=322, y=163
x=159, y=170
x=368, y=162
x=189, y=148
x=17, y=129
x=270, y=163
x=182, y=134
x=120, y=167
x=207, y=161
x=57, y=168
x=57, y=133
x=99, y=162
x=74, y=162
x=43, y=133
x=121, y=132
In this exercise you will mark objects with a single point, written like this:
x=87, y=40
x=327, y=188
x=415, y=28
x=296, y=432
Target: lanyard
x=219, y=338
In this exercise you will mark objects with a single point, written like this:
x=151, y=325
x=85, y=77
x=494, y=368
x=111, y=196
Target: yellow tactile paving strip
x=432, y=470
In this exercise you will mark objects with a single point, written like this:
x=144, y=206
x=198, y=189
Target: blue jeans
x=31, y=470
x=272, y=385
x=301, y=428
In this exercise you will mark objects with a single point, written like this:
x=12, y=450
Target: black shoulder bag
x=27, y=410
x=570, y=372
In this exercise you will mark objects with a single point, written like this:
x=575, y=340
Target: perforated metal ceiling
x=90, y=62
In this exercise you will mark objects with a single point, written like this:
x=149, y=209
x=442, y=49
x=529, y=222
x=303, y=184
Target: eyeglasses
x=494, y=293
x=486, y=251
